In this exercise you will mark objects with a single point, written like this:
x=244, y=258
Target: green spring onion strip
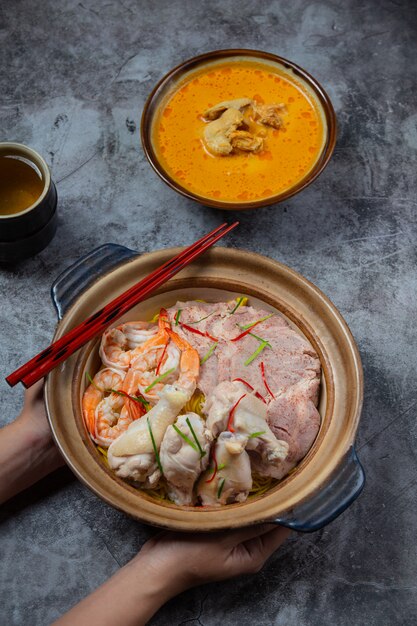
x=158, y=379
x=127, y=395
x=258, y=351
x=119, y=393
x=200, y=320
x=177, y=317
x=91, y=381
x=200, y=449
x=260, y=339
x=209, y=352
x=258, y=434
x=263, y=344
x=239, y=302
x=256, y=336
x=251, y=334
x=184, y=436
x=257, y=321
x=219, y=492
x=155, y=449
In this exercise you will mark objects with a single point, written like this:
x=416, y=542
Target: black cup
x=24, y=234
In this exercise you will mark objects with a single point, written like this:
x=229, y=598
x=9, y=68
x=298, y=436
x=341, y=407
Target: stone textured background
x=73, y=80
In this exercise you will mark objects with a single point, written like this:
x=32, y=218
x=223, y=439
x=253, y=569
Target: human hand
x=33, y=414
x=27, y=450
x=168, y=564
x=186, y=560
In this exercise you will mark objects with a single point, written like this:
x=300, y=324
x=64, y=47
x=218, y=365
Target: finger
x=262, y=547
x=234, y=537
x=34, y=392
x=272, y=540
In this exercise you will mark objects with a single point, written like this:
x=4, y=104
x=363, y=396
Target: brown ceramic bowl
x=326, y=481
x=179, y=73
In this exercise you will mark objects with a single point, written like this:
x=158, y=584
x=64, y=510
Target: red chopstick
x=60, y=350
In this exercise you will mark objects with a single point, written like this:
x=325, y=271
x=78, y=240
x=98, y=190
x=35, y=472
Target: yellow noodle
x=103, y=453
x=195, y=404
x=159, y=492
x=261, y=484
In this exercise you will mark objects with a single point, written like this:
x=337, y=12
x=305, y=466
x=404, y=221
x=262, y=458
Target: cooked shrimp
x=145, y=360
x=189, y=363
x=138, y=332
x=112, y=418
x=103, y=381
x=117, y=343
x=156, y=361
x=150, y=360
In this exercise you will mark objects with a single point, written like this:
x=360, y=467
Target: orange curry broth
x=288, y=153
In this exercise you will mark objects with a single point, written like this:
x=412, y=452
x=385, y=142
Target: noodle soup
x=205, y=405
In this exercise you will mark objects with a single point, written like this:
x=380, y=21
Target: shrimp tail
x=90, y=423
x=163, y=320
x=134, y=409
x=189, y=363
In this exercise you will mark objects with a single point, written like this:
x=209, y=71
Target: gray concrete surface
x=73, y=80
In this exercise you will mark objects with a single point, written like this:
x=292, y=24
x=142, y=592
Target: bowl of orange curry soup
x=238, y=129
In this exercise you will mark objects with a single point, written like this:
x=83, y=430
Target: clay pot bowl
x=326, y=481
x=169, y=82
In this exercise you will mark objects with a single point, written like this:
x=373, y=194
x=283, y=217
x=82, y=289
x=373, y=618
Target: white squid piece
x=249, y=421
x=182, y=461
x=132, y=455
x=233, y=479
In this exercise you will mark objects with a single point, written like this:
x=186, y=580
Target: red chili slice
x=231, y=414
x=245, y=332
x=264, y=379
x=158, y=367
x=245, y=382
x=213, y=456
x=197, y=332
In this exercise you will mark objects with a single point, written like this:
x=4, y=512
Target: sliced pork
x=288, y=380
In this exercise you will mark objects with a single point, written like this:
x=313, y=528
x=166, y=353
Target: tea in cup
x=28, y=201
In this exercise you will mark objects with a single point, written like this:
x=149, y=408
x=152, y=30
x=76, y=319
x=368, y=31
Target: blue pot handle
x=78, y=276
x=343, y=488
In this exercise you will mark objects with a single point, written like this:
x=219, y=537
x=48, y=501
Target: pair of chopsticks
x=96, y=324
